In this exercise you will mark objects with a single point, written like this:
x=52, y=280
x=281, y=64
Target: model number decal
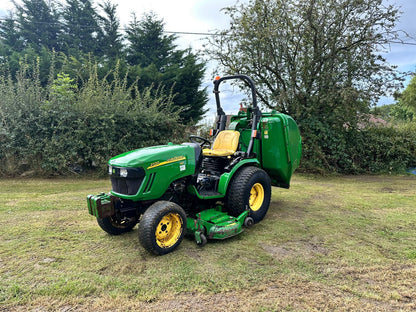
x=168, y=161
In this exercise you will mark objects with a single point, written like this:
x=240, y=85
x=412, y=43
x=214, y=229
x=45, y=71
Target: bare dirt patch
x=295, y=249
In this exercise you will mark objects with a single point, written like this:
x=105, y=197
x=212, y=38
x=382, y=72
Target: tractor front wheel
x=115, y=226
x=250, y=189
x=162, y=227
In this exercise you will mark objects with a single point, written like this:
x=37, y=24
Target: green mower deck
x=215, y=224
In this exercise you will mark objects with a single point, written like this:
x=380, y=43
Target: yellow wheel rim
x=168, y=230
x=256, y=197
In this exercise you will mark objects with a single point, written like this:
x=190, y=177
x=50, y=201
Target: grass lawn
x=327, y=243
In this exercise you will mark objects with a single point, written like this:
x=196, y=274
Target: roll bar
x=222, y=118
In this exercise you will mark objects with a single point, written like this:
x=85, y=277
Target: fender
x=226, y=177
x=224, y=180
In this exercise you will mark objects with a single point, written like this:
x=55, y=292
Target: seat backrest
x=226, y=140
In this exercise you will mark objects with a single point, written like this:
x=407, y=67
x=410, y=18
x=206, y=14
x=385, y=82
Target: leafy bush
x=382, y=149
x=61, y=129
x=67, y=126
x=355, y=151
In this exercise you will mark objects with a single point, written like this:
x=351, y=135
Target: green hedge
x=382, y=149
x=371, y=149
x=61, y=129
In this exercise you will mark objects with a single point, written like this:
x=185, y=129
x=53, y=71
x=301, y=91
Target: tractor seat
x=225, y=144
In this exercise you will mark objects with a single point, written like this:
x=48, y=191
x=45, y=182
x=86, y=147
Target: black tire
x=115, y=226
x=162, y=227
x=204, y=241
x=248, y=222
x=250, y=188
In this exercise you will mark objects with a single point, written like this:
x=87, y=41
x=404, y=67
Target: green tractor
x=209, y=192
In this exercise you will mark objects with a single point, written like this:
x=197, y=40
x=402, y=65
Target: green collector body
x=279, y=147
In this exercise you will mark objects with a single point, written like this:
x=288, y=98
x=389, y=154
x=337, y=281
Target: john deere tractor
x=210, y=191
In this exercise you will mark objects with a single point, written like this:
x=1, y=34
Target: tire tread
x=106, y=225
x=149, y=221
x=236, y=197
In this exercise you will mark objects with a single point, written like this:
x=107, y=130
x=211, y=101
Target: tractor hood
x=155, y=156
x=149, y=171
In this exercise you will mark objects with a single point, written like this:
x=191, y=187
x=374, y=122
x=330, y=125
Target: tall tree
x=38, y=23
x=157, y=60
x=9, y=33
x=406, y=102
x=81, y=29
x=317, y=60
x=311, y=58
x=110, y=36
x=147, y=42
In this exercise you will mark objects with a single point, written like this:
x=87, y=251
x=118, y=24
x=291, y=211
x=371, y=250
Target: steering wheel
x=195, y=139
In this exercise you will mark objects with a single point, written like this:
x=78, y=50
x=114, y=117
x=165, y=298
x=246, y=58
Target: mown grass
x=327, y=243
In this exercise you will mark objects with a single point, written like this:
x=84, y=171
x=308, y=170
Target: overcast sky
x=206, y=16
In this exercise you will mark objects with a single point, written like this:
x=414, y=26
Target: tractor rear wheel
x=249, y=189
x=162, y=227
x=116, y=226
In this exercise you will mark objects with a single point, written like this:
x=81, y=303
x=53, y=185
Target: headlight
x=125, y=172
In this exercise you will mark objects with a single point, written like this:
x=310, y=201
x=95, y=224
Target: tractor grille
x=128, y=184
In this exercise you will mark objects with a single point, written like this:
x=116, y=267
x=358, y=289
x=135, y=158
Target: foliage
x=79, y=34
x=148, y=44
x=81, y=28
x=371, y=149
x=406, y=102
x=318, y=61
x=315, y=60
x=394, y=113
x=404, y=110
x=38, y=23
x=382, y=149
x=111, y=38
x=311, y=57
x=9, y=33
x=156, y=60
x=408, y=96
x=61, y=129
